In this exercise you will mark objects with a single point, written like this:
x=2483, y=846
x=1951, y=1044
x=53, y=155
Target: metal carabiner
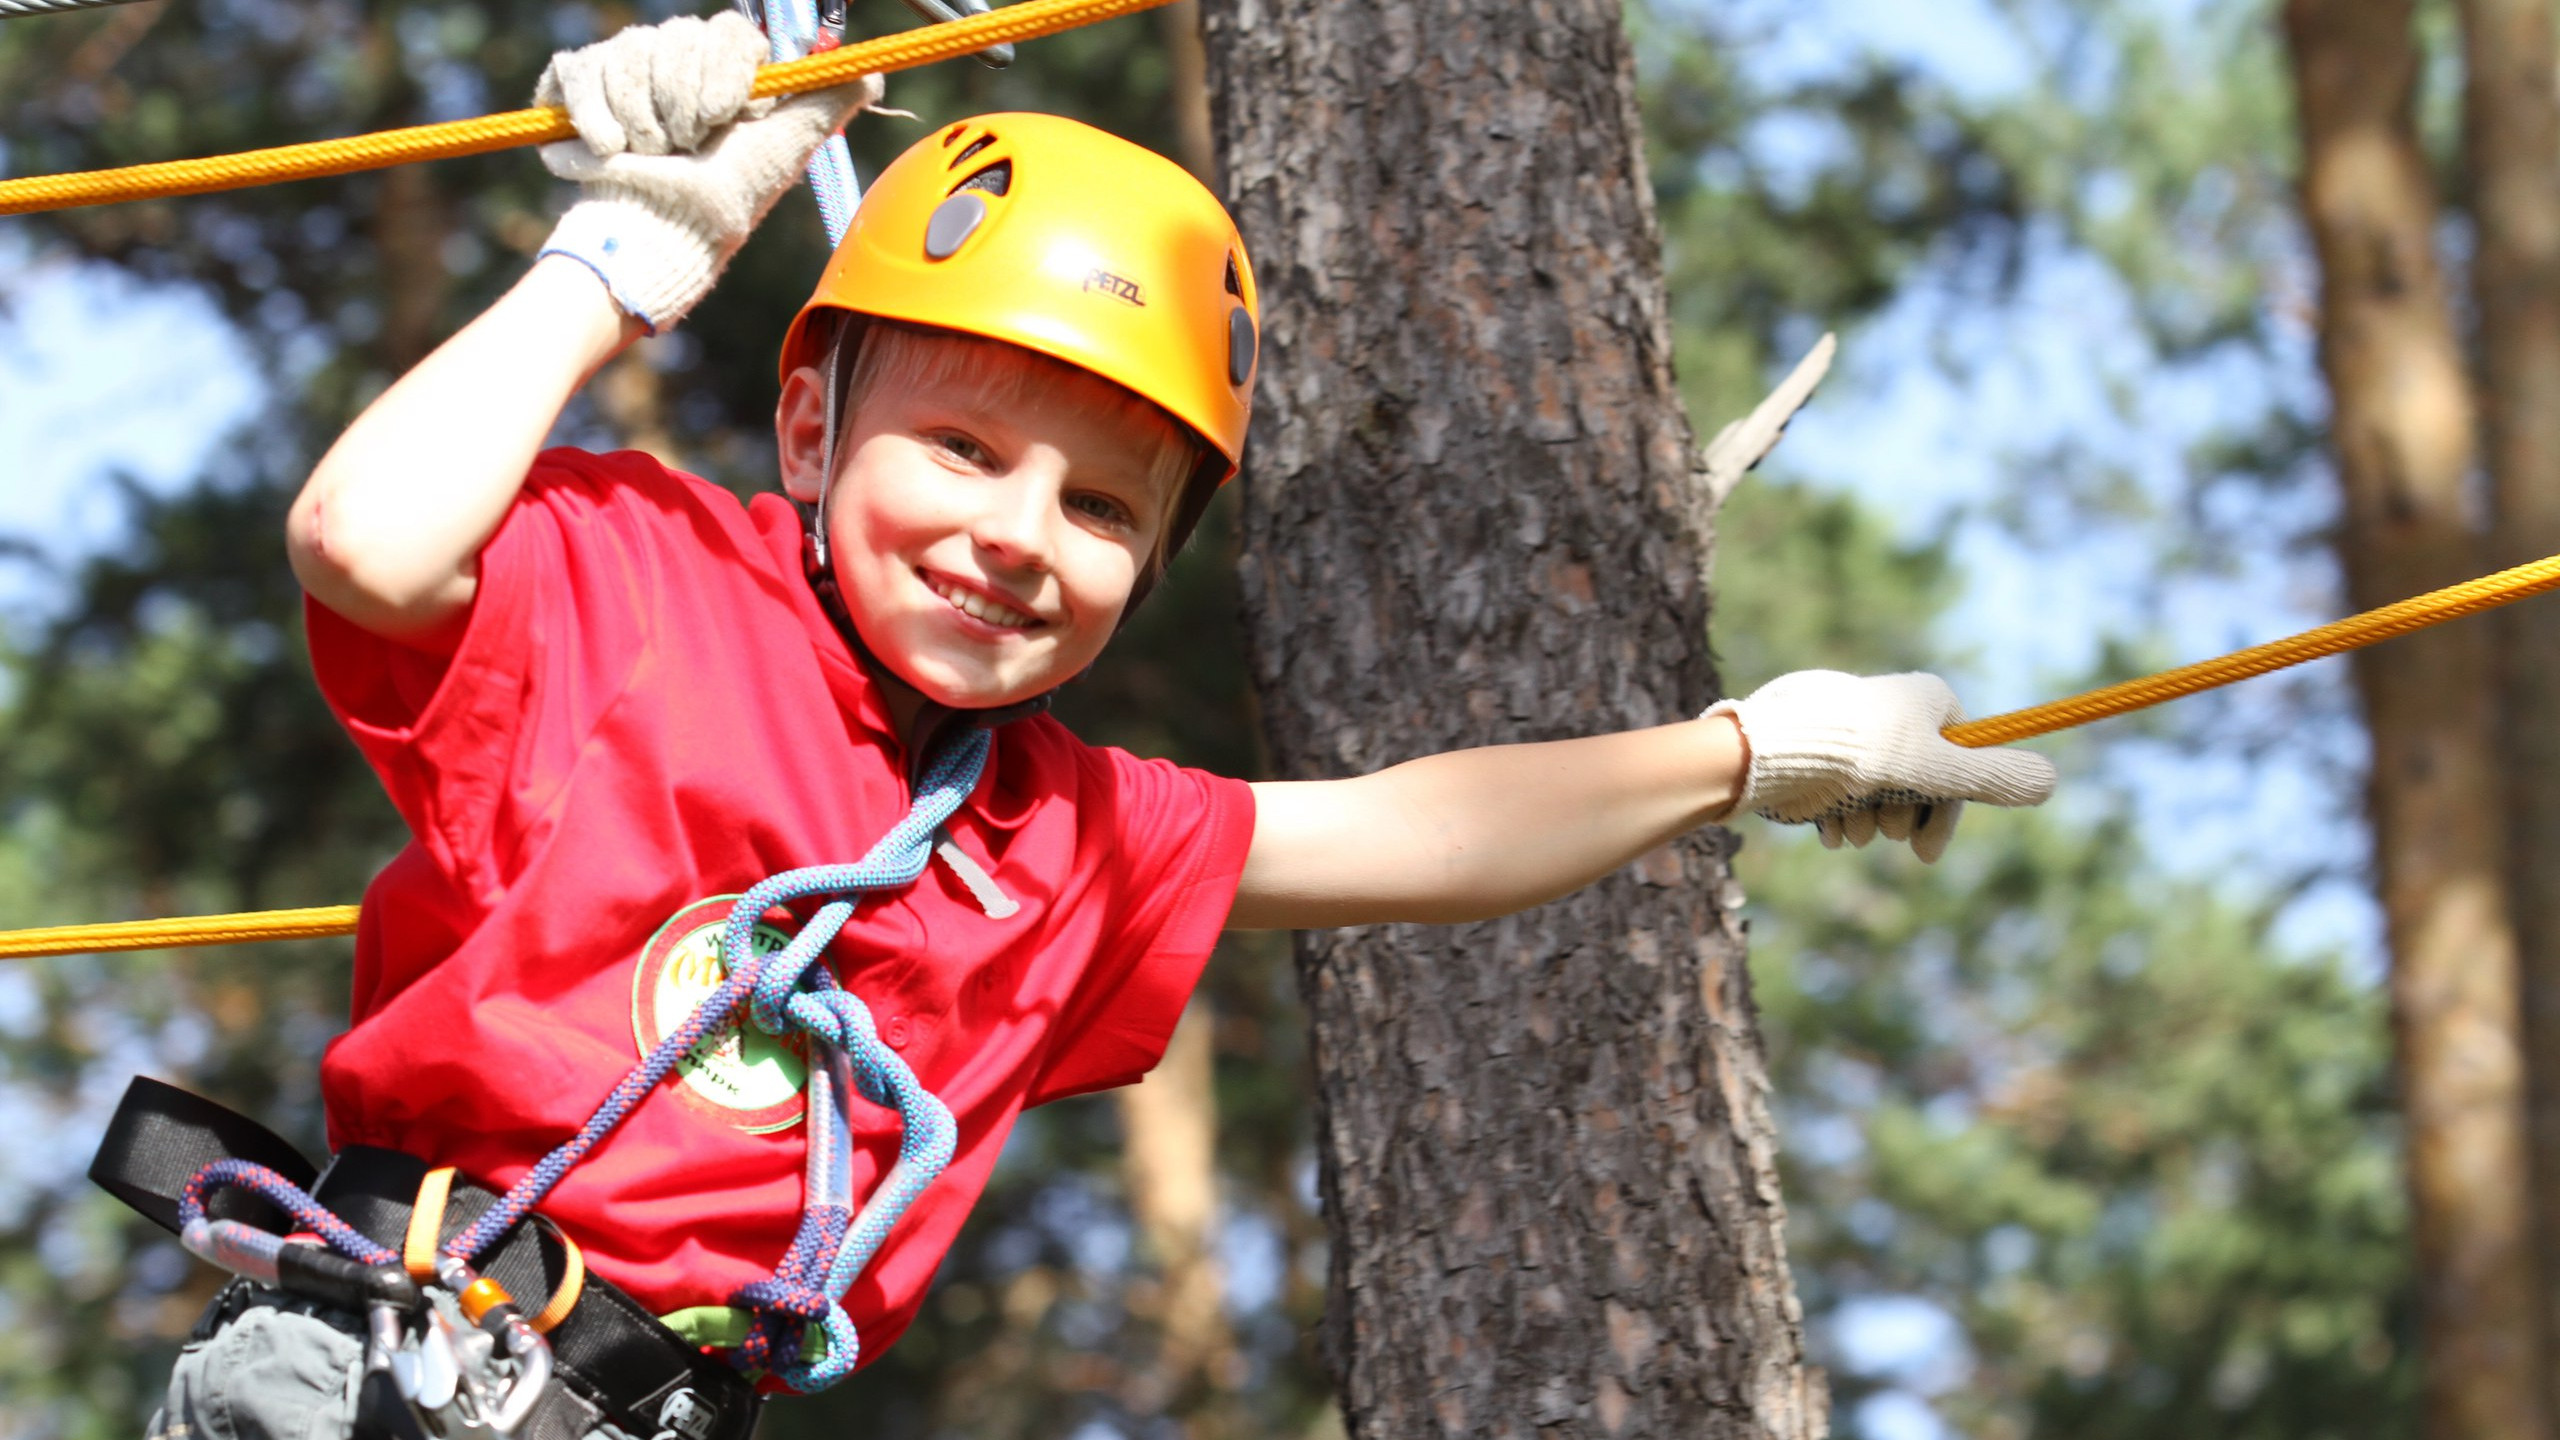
x=486, y=1304
x=995, y=57
x=386, y=1403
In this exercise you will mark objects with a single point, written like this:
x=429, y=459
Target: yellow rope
x=1028, y=20
x=193, y=930
x=2356, y=631
x=2353, y=633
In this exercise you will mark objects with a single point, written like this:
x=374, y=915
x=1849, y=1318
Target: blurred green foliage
x=2146, y=1158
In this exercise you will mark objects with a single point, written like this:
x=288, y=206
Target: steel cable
x=10, y=9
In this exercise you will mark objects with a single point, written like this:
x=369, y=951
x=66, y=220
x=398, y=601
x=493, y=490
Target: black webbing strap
x=161, y=1136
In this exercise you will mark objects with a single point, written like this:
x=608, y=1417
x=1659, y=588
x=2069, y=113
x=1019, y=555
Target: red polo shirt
x=648, y=713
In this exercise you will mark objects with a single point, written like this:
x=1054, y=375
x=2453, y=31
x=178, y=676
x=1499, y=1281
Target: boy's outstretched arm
x=675, y=165
x=1472, y=834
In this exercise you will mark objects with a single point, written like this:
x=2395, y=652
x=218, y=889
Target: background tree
x=2402, y=433
x=2511, y=141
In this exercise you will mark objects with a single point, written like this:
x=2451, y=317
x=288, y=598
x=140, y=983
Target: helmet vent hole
x=1235, y=280
x=996, y=179
x=981, y=143
x=951, y=137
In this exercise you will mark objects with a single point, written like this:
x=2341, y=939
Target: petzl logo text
x=1118, y=287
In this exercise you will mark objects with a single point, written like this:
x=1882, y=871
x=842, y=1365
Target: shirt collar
x=857, y=693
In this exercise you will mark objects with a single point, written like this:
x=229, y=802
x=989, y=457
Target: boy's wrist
x=653, y=268
x=578, y=307
x=1726, y=764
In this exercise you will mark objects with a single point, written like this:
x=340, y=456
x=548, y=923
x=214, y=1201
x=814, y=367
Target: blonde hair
x=1005, y=374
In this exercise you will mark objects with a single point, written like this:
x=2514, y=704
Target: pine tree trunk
x=2512, y=129
x=1187, y=89
x=2402, y=431
x=1547, y=1156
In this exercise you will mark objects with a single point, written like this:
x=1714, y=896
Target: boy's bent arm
x=387, y=531
x=1472, y=834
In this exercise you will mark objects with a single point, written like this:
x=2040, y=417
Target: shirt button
x=897, y=1033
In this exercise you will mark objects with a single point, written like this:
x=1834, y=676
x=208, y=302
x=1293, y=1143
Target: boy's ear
x=800, y=433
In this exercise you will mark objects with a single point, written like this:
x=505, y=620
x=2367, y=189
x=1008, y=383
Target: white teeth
x=971, y=603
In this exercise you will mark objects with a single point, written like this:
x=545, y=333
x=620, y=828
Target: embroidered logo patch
x=750, y=1079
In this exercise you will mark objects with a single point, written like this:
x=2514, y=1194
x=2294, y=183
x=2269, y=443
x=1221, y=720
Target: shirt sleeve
x=1170, y=845
x=474, y=747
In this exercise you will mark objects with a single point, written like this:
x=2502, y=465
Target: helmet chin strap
x=932, y=719
x=813, y=518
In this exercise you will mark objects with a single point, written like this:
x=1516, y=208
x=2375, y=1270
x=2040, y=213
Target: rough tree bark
x=2402, y=430
x=1471, y=517
x=2511, y=114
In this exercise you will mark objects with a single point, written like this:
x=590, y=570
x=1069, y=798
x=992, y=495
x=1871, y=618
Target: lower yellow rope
x=192, y=930
x=2356, y=631
x=1028, y=20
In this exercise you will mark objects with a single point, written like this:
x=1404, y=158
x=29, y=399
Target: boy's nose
x=1016, y=523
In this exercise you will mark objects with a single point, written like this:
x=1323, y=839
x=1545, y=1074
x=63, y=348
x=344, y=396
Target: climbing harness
x=1027, y=20
x=10, y=9
x=797, y=1328
x=435, y=1366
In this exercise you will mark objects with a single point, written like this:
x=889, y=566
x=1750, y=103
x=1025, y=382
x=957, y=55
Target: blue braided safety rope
x=308, y=1213
x=786, y=993
x=793, y=995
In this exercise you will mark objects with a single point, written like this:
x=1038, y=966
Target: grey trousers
x=262, y=1365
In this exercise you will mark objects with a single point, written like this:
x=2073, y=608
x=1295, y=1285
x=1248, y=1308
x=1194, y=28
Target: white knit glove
x=1861, y=755
x=669, y=185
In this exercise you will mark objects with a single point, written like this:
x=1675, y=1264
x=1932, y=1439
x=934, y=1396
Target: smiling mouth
x=977, y=606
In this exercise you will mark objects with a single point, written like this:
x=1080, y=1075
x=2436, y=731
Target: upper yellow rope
x=1028, y=20
x=2354, y=632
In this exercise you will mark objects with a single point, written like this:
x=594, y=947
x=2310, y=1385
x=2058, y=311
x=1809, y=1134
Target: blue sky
x=102, y=376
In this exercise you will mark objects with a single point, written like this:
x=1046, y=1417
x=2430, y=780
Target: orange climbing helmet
x=1057, y=237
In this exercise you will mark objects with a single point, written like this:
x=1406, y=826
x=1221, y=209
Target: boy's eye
x=961, y=447
x=1100, y=507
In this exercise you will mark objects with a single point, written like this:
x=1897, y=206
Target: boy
x=608, y=699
